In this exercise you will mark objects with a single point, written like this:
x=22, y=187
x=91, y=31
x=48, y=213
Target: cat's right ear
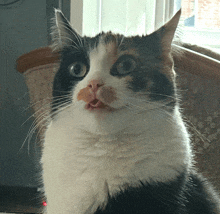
x=63, y=34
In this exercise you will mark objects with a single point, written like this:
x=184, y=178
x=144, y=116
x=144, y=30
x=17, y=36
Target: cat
x=116, y=142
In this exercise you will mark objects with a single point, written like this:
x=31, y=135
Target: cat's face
x=108, y=80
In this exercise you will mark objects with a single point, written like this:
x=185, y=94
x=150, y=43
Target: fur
x=131, y=155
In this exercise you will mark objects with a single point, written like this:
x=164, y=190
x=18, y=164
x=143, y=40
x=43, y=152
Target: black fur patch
x=185, y=195
x=155, y=84
x=162, y=88
x=64, y=82
x=92, y=42
x=149, y=77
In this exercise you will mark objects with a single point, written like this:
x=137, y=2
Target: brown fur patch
x=128, y=78
x=112, y=51
x=86, y=95
x=107, y=94
x=130, y=51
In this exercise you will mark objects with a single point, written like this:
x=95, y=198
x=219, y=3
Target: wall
x=23, y=27
x=207, y=12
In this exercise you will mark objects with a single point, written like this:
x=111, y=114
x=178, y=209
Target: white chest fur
x=80, y=168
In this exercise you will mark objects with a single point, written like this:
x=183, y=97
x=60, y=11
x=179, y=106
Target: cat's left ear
x=63, y=34
x=167, y=31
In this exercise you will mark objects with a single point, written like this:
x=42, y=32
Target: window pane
x=201, y=21
x=113, y=15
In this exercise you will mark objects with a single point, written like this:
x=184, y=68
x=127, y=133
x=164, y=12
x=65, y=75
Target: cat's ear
x=167, y=31
x=63, y=34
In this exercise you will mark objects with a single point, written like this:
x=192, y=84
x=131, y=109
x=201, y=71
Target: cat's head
x=110, y=78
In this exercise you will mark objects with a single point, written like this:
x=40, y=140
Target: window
x=125, y=16
x=201, y=22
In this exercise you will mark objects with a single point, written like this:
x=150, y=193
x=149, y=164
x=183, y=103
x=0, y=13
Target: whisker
x=43, y=101
x=35, y=113
x=65, y=92
x=41, y=121
x=159, y=111
x=145, y=100
x=123, y=37
x=35, y=103
x=32, y=129
x=160, y=107
x=193, y=127
x=151, y=93
x=57, y=98
x=164, y=95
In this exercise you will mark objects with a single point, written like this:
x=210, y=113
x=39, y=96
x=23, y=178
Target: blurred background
x=24, y=26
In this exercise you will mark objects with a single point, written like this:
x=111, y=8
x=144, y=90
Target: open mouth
x=95, y=104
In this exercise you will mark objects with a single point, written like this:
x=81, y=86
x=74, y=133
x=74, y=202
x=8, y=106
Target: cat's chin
x=101, y=121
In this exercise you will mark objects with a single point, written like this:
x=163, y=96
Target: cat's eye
x=125, y=65
x=77, y=69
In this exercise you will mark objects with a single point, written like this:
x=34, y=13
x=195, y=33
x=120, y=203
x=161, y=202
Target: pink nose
x=95, y=84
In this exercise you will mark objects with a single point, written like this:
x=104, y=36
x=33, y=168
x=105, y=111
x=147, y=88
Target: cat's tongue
x=95, y=104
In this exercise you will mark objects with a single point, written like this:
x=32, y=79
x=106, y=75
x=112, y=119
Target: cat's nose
x=95, y=84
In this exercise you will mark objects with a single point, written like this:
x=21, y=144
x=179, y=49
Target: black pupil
x=77, y=69
x=126, y=65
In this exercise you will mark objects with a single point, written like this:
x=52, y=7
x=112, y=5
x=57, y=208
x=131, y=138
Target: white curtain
x=129, y=17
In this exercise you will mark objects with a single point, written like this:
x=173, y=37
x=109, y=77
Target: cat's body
x=116, y=142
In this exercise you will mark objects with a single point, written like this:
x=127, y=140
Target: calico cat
x=116, y=143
